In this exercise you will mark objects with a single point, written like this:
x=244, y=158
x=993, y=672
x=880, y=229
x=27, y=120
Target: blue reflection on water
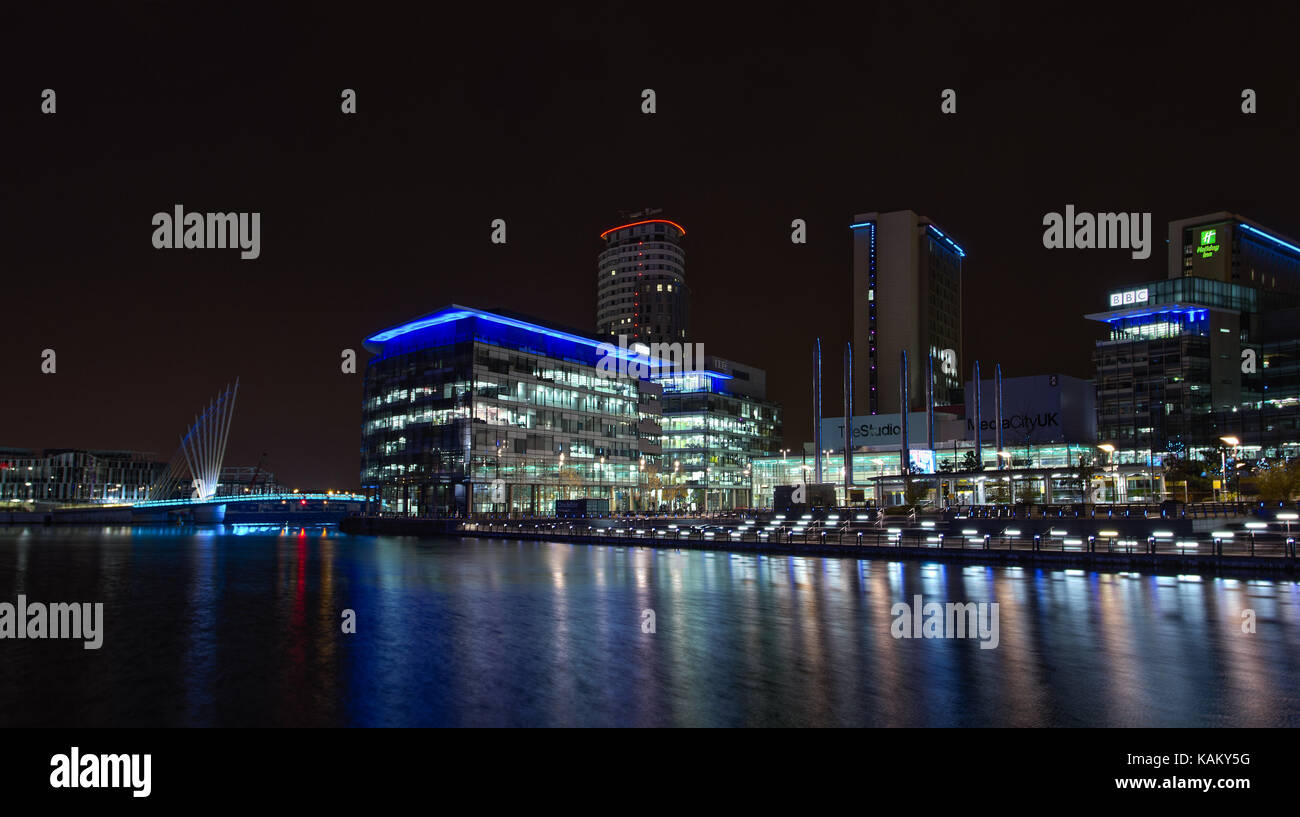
x=242, y=625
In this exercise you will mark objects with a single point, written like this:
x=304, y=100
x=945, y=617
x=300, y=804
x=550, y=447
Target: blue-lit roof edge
x=705, y=372
x=1241, y=222
x=944, y=236
x=1153, y=309
x=455, y=312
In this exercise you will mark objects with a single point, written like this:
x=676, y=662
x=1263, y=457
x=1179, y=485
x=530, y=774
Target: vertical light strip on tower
x=904, y=460
x=817, y=411
x=848, y=419
x=997, y=411
x=979, y=423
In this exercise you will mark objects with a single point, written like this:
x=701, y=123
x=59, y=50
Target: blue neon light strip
x=702, y=372
x=950, y=242
x=1194, y=313
x=223, y=500
x=463, y=313
x=863, y=224
x=1274, y=239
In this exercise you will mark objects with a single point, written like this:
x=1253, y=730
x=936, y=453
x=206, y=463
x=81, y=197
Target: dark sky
x=466, y=115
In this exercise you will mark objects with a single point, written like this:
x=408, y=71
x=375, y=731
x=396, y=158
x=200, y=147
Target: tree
x=674, y=495
x=1028, y=492
x=997, y=492
x=1087, y=470
x=915, y=491
x=569, y=478
x=1280, y=481
x=1192, y=474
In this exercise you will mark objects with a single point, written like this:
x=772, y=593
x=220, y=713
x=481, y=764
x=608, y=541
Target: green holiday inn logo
x=1209, y=244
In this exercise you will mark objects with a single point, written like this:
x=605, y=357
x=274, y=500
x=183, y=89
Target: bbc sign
x=1130, y=298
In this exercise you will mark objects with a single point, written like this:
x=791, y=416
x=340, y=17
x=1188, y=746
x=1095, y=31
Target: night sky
x=466, y=115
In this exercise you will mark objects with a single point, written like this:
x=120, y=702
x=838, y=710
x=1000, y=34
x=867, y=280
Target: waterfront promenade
x=1186, y=544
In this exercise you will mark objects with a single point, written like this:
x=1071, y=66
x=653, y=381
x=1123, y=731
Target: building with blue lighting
x=468, y=411
x=906, y=295
x=1212, y=351
x=716, y=422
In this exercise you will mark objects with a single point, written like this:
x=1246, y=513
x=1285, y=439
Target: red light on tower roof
x=647, y=221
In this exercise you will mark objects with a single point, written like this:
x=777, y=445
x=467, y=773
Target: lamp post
x=706, y=489
x=1223, y=460
x=559, y=477
x=498, y=479
x=1110, y=452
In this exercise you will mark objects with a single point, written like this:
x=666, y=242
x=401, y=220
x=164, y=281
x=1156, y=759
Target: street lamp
x=706, y=490
x=1223, y=460
x=559, y=477
x=1110, y=452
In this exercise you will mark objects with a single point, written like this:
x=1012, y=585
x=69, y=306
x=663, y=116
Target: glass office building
x=471, y=412
x=1037, y=473
x=68, y=475
x=1213, y=351
x=715, y=423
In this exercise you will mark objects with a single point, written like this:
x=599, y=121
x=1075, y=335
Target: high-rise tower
x=641, y=287
x=906, y=295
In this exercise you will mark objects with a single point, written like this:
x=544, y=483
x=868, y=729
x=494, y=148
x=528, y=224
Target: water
x=242, y=627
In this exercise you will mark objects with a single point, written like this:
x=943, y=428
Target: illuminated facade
x=906, y=295
x=1212, y=351
x=471, y=412
x=716, y=421
x=1033, y=474
x=641, y=287
x=65, y=475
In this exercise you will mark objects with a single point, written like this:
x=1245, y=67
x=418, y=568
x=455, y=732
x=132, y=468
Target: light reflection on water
x=241, y=626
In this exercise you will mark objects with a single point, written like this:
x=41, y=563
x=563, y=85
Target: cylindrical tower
x=641, y=287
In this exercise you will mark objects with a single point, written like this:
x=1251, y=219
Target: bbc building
x=1210, y=352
